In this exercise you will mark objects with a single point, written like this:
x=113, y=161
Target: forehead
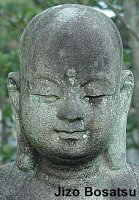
x=90, y=56
x=82, y=41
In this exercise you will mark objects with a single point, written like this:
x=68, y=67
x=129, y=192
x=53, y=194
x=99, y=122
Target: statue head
x=71, y=96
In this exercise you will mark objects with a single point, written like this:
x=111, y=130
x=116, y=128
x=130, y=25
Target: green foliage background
x=14, y=16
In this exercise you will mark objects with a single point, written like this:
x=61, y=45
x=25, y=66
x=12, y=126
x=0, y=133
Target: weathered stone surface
x=70, y=101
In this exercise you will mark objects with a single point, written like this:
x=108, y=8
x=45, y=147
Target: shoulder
x=11, y=179
x=128, y=176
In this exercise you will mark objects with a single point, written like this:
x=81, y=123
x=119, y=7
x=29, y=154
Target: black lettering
x=68, y=193
x=59, y=192
x=119, y=190
x=132, y=193
x=88, y=191
x=76, y=192
x=97, y=193
x=113, y=193
x=105, y=192
x=124, y=193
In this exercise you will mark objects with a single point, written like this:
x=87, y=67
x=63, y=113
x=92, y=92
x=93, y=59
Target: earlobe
x=13, y=90
x=117, y=146
x=26, y=156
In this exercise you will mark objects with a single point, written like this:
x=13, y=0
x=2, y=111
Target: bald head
x=71, y=37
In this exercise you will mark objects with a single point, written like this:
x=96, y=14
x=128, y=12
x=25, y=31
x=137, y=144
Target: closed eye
x=47, y=98
x=94, y=99
x=91, y=96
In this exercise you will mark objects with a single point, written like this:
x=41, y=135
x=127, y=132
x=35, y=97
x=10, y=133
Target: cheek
x=100, y=116
x=38, y=117
x=39, y=120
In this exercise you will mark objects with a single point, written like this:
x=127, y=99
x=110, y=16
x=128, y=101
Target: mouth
x=72, y=135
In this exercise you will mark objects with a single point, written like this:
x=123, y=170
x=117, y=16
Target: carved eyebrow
x=91, y=79
x=50, y=78
x=53, y=79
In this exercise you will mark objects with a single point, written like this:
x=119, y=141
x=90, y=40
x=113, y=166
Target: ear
x=25, y=153
x=127, y=84
x=13, y=85
x=117, y=146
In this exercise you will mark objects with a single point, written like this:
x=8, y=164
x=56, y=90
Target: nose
x=71, y=110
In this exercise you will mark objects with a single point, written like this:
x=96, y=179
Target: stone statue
x=70, y=102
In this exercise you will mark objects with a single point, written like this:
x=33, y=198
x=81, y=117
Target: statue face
x=73, y=94
x=73, y=80
x=68, y=113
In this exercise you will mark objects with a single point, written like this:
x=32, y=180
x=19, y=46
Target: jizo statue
x=70, y=102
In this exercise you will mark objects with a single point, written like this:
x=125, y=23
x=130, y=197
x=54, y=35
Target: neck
x=60, y=175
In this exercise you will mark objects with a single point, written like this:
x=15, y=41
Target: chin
x=72, y=159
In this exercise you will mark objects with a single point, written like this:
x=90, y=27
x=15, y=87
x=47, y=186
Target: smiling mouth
x=72, y=135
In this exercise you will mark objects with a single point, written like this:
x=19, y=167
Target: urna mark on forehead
x=78, y=42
